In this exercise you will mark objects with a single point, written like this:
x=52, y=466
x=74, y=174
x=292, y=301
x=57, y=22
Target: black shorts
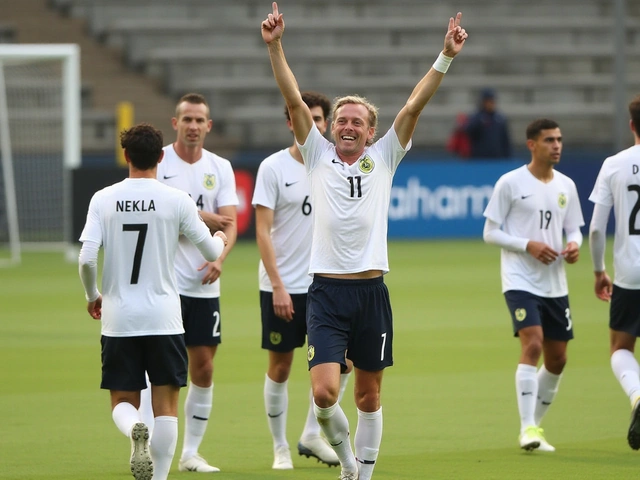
x=624, y=312
x=350, y=318
x=201, y=320
x=553, y=314
x=278, y=335
x=126, y=359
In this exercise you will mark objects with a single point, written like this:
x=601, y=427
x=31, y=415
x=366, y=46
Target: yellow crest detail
x=366, y=164
x=275, y=338
x=562, y=200
x=209, y=181
x=521, y=314
x=311, y=352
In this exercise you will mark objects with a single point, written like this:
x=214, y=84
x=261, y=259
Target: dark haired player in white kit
x=348, y=308
x=528, y=211
x=283, y=233
x=618, y=186
x=138, y=222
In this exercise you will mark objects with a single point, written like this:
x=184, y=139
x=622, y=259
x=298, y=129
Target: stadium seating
x=543, y=58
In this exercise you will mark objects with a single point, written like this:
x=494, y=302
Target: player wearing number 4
x=139, y=221
x=348, y=307
x=618, y=186
x=526, y=215
x=283, y=234
x=209, y=180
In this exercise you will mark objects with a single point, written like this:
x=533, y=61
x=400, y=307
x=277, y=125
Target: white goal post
x=40, y=145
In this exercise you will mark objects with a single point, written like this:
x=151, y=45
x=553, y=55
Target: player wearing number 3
x=139, y=221
x=526, y=215
x=348, y=307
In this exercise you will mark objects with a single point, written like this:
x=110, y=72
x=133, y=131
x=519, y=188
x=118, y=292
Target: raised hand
x=455, y=37
x=273, y=26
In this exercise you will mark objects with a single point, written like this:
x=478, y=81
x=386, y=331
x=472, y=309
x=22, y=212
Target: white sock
x=547, y=389
x=146, y=408
x=311, y=426
x=367, y=441
x=335, y=426
x=344, y=379
x=125, y=416
x=625, y=368
x=197, y=408
x=163, y=446
x=527, y=392
x=276, y=403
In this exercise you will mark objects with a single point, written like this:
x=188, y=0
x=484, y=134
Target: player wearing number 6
x=618, y=186
x=138, y=222
x=348, y=308
x=528, y=211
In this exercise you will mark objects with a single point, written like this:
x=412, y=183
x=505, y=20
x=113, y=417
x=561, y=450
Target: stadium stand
x=543, y=58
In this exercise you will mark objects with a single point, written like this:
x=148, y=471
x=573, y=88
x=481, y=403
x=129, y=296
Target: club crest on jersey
x=275, y=338
x=209, y=181
x=311, y=352
x=562, y=200
x=521, y=314
x=365, y=164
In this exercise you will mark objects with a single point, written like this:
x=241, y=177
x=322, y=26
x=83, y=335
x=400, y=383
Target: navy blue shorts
x=352, y=319
x=126, y=359
x=278, y=335
x=201, y=320
x=553, y=314
x=624, y=312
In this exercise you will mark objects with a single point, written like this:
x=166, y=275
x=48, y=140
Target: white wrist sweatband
x=442, y=63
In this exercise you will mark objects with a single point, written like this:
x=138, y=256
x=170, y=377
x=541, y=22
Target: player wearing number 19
x=526, y=215
x=348, y=307
x=618, y=186
x=138, y=222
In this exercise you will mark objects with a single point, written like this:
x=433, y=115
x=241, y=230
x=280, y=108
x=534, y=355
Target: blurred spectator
x=459, y=143
x=488, y=129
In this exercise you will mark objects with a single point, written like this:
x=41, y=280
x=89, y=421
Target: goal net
x=39, y=146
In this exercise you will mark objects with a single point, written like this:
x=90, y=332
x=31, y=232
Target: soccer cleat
x=196, y=464
x=141, y=464
x=319, y=448
x=544, y=445
x=348, y=475
x=282, y=458
x=633, y=437
x=530, y=439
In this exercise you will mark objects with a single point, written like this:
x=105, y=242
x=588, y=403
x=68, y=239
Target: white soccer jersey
x=351, y=204
x=531, y=209
x=282, y=186
x=618, y=186
x=211, y=184
x=138, y=222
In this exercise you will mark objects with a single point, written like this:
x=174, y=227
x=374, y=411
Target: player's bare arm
x=301, y=119
x=542, y=252
x=282, y=303
x=407, y=119
x=213, y=270
x=216, y=221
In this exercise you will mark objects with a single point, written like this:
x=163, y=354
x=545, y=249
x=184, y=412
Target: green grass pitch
x=449, y=403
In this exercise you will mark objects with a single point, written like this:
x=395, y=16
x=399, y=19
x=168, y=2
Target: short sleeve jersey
x=351, y=204
x=138, y=222
x=282, y=186
x=527, y=208
x=618, y=186
x=211, y=184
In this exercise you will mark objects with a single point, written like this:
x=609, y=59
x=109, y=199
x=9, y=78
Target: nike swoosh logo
x=276, y=415
x=526, y=196
x=168, y=177
x=289, y=184
x=526, y=393
x=336, y=444
x=337, y=162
